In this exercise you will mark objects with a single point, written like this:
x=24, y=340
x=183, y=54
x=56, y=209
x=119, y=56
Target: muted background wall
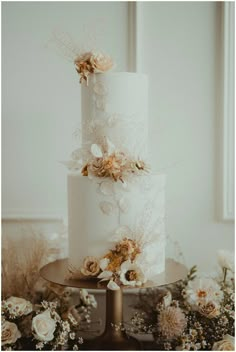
x=178, y=45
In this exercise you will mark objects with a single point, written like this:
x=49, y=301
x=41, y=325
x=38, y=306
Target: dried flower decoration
x=197, y=314
x=107, y=162
x=91, y=62
x=90, y=266
x=171, y=322
x=118, y=265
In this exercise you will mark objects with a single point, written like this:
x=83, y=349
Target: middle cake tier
x=102, y=212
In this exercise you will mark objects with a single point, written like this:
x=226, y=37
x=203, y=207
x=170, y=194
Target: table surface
x=57, y=273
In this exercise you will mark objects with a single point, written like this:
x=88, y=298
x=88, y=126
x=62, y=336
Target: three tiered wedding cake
x=116, y=207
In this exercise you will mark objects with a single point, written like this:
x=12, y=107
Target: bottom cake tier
x=106, y=218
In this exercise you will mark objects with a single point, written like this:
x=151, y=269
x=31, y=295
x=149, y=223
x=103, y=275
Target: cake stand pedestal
x=112, y=338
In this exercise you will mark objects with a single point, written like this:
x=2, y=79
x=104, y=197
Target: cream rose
x=227, y=344
x=209, y=310
x=100, y=62
x=91, y=266
x=10, y=333
x=43, y=326
x=18, y=306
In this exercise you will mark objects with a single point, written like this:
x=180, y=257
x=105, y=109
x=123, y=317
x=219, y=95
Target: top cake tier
x=115, y=106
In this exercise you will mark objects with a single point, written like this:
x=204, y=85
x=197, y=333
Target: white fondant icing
x=115, y=105
x=92, y=229
x=100, y=210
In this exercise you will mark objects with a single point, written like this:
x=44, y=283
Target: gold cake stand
x=112, y=339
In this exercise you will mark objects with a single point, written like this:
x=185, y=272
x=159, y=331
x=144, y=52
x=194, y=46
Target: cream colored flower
x=91, y=266
x=226, y=259
x=171, y=322
x=167, y=299
x=131, y=274
x=104, y=263
x=202, y=290
x=209, y=310
x=10, y=333
x=112, y=285
x=43, y=326
x=87, y=299
x=227, y=344
x=18, y=306
x=101, y=62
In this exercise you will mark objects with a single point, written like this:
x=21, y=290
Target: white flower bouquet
x=195, y=314
x=50, y=325
x=37, y=315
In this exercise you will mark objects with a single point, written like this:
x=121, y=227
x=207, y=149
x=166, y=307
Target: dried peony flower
x=17, y=306
x=226, y=259
x=83, y=66
x=91, y=266
x=209, y=310
x=128, y=248
x=101, y=62
x=10, y=333
x=90, y=62
x=202, y=290
x=227, y=344
x=43, y=326
x=171, y=322
x=107, y=162
x=131, y=274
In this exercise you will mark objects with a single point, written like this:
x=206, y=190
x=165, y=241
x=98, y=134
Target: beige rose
x=43, y=326
x=10, y=333
x=91, y=266
x=209, y=310
x=227, y=344
x=18, y=306
x=100, y=62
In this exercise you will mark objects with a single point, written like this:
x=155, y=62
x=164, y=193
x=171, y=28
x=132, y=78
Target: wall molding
x=228, y=112
x=134, y=35
x=28, y=215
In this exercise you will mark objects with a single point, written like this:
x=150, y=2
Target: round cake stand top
x=57, y=273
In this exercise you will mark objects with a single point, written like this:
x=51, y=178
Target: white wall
x=177, y=48
x=180, y=46
x=41, y=95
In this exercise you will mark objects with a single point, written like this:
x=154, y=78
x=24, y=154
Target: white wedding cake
x=116, y=206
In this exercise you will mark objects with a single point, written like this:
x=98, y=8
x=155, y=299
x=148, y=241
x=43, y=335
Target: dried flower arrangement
x=194, y=314
x=105, y=161
x=122, y=265
x=37, y=315
x=91, y=62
